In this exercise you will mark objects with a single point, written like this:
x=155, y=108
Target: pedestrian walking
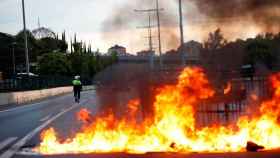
x=77, y=88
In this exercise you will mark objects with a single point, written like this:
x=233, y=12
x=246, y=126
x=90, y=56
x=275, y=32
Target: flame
x=254, y=97
x=172, y=127
x=83, y=115
x=228, y=88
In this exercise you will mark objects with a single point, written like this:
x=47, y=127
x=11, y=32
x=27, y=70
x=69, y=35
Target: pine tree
x=85, y=48
x=89, y=49
x=63, y=37
x=75, y=38
x=71, y=43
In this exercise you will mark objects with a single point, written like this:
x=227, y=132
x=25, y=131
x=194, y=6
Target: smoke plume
x=236, y=18
x=263, y=13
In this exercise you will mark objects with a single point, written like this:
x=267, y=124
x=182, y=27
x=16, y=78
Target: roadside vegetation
x=51, y=55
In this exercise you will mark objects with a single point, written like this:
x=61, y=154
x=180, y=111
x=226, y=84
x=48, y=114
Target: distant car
x=26, y=75
x=248, y=71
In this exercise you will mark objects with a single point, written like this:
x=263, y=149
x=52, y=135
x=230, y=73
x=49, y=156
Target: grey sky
x=85, y=17
x=90, y=19
x=74, y=15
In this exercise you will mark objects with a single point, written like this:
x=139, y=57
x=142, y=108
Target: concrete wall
x=28, y=96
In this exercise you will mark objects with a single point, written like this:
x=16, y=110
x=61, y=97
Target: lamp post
x=25, y=40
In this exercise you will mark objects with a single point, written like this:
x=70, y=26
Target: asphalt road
x=20, y=128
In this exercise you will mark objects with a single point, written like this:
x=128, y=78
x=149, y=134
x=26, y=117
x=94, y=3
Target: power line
x=149, y=27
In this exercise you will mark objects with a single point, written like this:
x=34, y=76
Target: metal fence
x=37, y=83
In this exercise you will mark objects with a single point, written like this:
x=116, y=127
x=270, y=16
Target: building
x=120, y=50
x=146, y=53
x=191, y=50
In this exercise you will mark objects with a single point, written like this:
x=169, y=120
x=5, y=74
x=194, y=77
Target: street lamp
x=25, y=40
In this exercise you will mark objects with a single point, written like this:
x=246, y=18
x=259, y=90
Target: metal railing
x=37, y=83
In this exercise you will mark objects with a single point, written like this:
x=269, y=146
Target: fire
x=83, y=115
x=228, y=88
x=254, y=97
x=172, y=127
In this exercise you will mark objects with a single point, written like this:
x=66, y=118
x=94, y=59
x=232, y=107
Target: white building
x=120, y=50
x=191, y=50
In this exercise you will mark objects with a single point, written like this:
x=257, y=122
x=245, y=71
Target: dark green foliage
x=261, y=50
x=49, y=56
x=220, y=55
x=88, y=64
x=215, y=40
x=54, y=64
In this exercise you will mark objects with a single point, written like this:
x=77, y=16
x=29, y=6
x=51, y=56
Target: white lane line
x=7, y=142
x=27, y=106
x=22, y=107
x=45, y=118
x=9, y=153
x=63, y=109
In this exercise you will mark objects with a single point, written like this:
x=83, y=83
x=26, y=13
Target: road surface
x=20, y=128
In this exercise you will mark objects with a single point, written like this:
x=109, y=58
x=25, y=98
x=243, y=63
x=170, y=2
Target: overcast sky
x=85, y=17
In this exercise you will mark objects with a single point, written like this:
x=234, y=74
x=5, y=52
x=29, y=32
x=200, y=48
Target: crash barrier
x=29, y=96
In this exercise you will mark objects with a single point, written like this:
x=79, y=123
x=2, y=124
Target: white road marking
x=9, y=153
x=45, y=118
x=22, y=107
x=27, y=106
x=7, y=142
x=63, y=109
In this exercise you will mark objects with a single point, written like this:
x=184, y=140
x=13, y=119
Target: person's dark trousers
x=77, y=95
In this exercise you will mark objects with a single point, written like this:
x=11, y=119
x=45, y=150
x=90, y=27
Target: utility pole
x=148, y=27
x=181, y=31
x=159, y=34
x=156, y=10
x=25, y=39
x=150, y=34
x=181, y=22
x=13, y=56
x=150, y=37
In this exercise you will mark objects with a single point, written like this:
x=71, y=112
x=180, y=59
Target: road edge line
x=9, y=153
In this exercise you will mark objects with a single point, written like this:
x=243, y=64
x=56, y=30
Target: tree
x=62, y=44
x=48, y=44
x=215, y=40
x=76, y=61
x=54, y=64
x=260, y=50
x=32, y=44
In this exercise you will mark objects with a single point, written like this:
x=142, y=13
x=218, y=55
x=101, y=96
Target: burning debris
x=172, y=128
x=228, y=88
x=251, y=146
x=84, y=115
